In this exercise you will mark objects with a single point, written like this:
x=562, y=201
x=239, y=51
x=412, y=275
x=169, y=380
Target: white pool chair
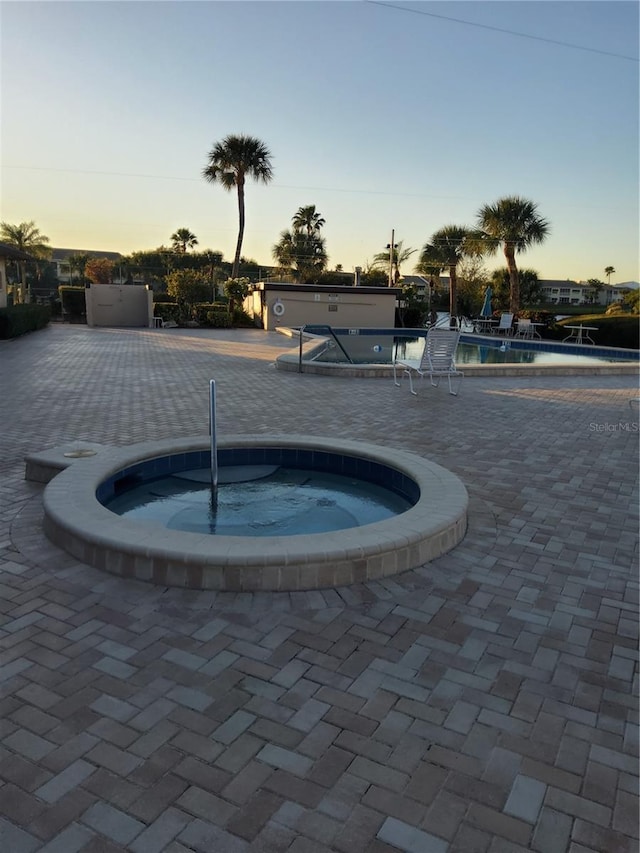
x=505, y=325
x=437, y=360
x=524, y=329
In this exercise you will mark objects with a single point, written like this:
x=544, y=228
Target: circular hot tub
x=433, y=522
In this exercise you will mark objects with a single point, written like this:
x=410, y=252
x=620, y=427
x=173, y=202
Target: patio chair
x=505, y=325
x=524, y=329
x=437, y=360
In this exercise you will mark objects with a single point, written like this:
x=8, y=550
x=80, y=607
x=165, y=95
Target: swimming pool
x=382, y=346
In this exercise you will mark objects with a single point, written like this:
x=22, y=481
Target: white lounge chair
x=524, y=330
x=437, y=360
x=505, y=325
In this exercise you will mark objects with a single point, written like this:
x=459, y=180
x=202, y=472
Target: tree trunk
x=236, y=261
x=22, y=289
x=514, y=279
x=453, y=298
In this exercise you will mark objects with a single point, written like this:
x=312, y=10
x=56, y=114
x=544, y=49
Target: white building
x=569, y=292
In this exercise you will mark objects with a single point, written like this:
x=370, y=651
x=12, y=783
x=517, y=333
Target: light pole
x=391, y=247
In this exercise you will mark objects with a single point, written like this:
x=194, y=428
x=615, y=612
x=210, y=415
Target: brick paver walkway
x=481, y=704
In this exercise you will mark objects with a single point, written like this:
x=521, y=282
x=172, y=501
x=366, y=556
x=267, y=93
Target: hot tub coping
x=76, y=521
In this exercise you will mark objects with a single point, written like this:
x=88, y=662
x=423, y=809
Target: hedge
x=16, y=320
x=614, y=330
x=213, y=314
x=169, y=311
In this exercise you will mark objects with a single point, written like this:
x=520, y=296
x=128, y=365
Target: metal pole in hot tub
x=214, y=442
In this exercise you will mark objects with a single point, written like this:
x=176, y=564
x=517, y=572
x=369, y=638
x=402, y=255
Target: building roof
x=11, y=253
x=62, y=254
x=318, y=288
x=422, y=279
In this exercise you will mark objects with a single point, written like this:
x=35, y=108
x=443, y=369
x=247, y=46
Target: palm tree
x=26, y=238
x=448, y=247
x=230, y=162
x=304, y=253
x=514, y=222
x=530, y=288
x=399, y=257
x=302, y=249
x=77, y=262
x=596, y=286
x=183, y=239
x=308, y=219
x=609, y=271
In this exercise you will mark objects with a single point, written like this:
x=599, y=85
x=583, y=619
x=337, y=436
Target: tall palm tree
x=513, y=222
x=230, y=162
x=183, y=239
x=448, y=247
x=399, y=257
x=25, y=237
x=609, y=271
x=308, y=219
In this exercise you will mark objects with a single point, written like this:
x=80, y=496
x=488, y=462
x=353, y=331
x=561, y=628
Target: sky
x=403, y=116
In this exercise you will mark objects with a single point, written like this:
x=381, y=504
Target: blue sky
x=384, y=115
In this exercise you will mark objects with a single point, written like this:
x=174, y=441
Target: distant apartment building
x=65, y=275
x=422, y=283
x=568, y=292
x=554, y=291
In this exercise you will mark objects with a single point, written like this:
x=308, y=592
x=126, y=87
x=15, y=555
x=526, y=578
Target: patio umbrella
x=486, y=308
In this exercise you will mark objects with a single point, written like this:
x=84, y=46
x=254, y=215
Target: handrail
x=214, y=441
x=326, y=330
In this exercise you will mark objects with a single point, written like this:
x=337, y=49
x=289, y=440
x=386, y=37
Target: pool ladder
x=324, y=330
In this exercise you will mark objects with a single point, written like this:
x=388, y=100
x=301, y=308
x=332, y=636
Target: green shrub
x=168, y=311
x=411, y=317
x=19, y=319
x=210, y=314
x=243, y=320
x=74, y=306
x=547, y=318
x=218, y=320
x=188, y=285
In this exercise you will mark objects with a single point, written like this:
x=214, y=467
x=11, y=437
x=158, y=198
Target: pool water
x=285, y=502
x=504, y=353
x=372, y=348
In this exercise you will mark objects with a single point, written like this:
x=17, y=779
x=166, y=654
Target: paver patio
x=484, y=703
